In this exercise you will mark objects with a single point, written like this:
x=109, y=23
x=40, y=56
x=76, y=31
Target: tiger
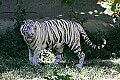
x=54, y=34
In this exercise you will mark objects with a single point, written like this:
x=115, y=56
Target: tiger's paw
x=54, y=63
x=35, y=62
x=57, y=60
x=31, y=59
x=79, y=65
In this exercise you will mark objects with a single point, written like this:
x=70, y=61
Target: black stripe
x=63, y=27
x=74, y=45
x=83, y=33
x=49, y=41
x=35, y=47
x=53, y=45
x=36, y=39
x=65, y=22
x=59, y=31
x=45, y=30
x=70, y=34
x=66, y=29
x=61, y=23
x=74, y=39
x=78, y=48
x=43, y=41
x=79, y=52
x=54, y=35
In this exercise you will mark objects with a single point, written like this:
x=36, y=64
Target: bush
x=12, y=45
x=112, y=48
x=0, y=3
x=112, y=8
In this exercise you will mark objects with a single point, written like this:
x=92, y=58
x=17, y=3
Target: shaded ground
x=20, y=69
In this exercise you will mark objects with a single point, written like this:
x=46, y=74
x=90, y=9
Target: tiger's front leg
x=30, y=57
x=35, y=58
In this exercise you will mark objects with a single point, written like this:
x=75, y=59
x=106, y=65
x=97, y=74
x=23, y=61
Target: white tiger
x=53, y=34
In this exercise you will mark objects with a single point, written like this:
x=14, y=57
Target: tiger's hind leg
x=76, y=47
x=81, y=57
x=58, y=56
x=57, y=59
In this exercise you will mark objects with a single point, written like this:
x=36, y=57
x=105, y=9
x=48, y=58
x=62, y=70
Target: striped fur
x=53, y=34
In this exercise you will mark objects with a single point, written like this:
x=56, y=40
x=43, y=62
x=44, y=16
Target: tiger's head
x=28, y=30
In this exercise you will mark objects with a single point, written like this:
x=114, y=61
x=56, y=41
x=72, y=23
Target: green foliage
x=12, y=40
x=67, y=2
x=55, y=76
x=74, y=16
x=112, y=8
x=47, y=56
x=114, y=41
x=19, y=14
x=112, y=48
x=0, y=3
x=12, y=45
x=109, y=0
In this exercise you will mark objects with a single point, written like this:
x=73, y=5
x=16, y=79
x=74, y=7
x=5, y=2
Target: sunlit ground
x=20, y=69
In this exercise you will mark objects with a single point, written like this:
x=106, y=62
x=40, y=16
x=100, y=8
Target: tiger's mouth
x=29, y=38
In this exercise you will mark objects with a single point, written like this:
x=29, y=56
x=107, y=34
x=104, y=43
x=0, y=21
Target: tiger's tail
x=88, y=41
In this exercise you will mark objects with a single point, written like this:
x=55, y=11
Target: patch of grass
x=16, y=69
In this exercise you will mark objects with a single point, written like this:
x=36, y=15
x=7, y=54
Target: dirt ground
x=47, y=9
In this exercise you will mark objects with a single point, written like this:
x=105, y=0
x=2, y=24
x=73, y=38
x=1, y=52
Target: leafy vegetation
x=0, y=3
x=74, y=16
x=112, y=8
x=68, y=2
x=19, y=14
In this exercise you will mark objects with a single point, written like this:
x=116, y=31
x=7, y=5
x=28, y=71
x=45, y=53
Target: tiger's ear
x=24, y=21
x=35, y=25
x=28, y=20
x=21, y=29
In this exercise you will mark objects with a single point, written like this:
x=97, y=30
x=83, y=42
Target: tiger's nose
x=32, y=34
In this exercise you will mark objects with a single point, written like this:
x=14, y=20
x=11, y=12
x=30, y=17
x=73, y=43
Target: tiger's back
x=58, y=32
